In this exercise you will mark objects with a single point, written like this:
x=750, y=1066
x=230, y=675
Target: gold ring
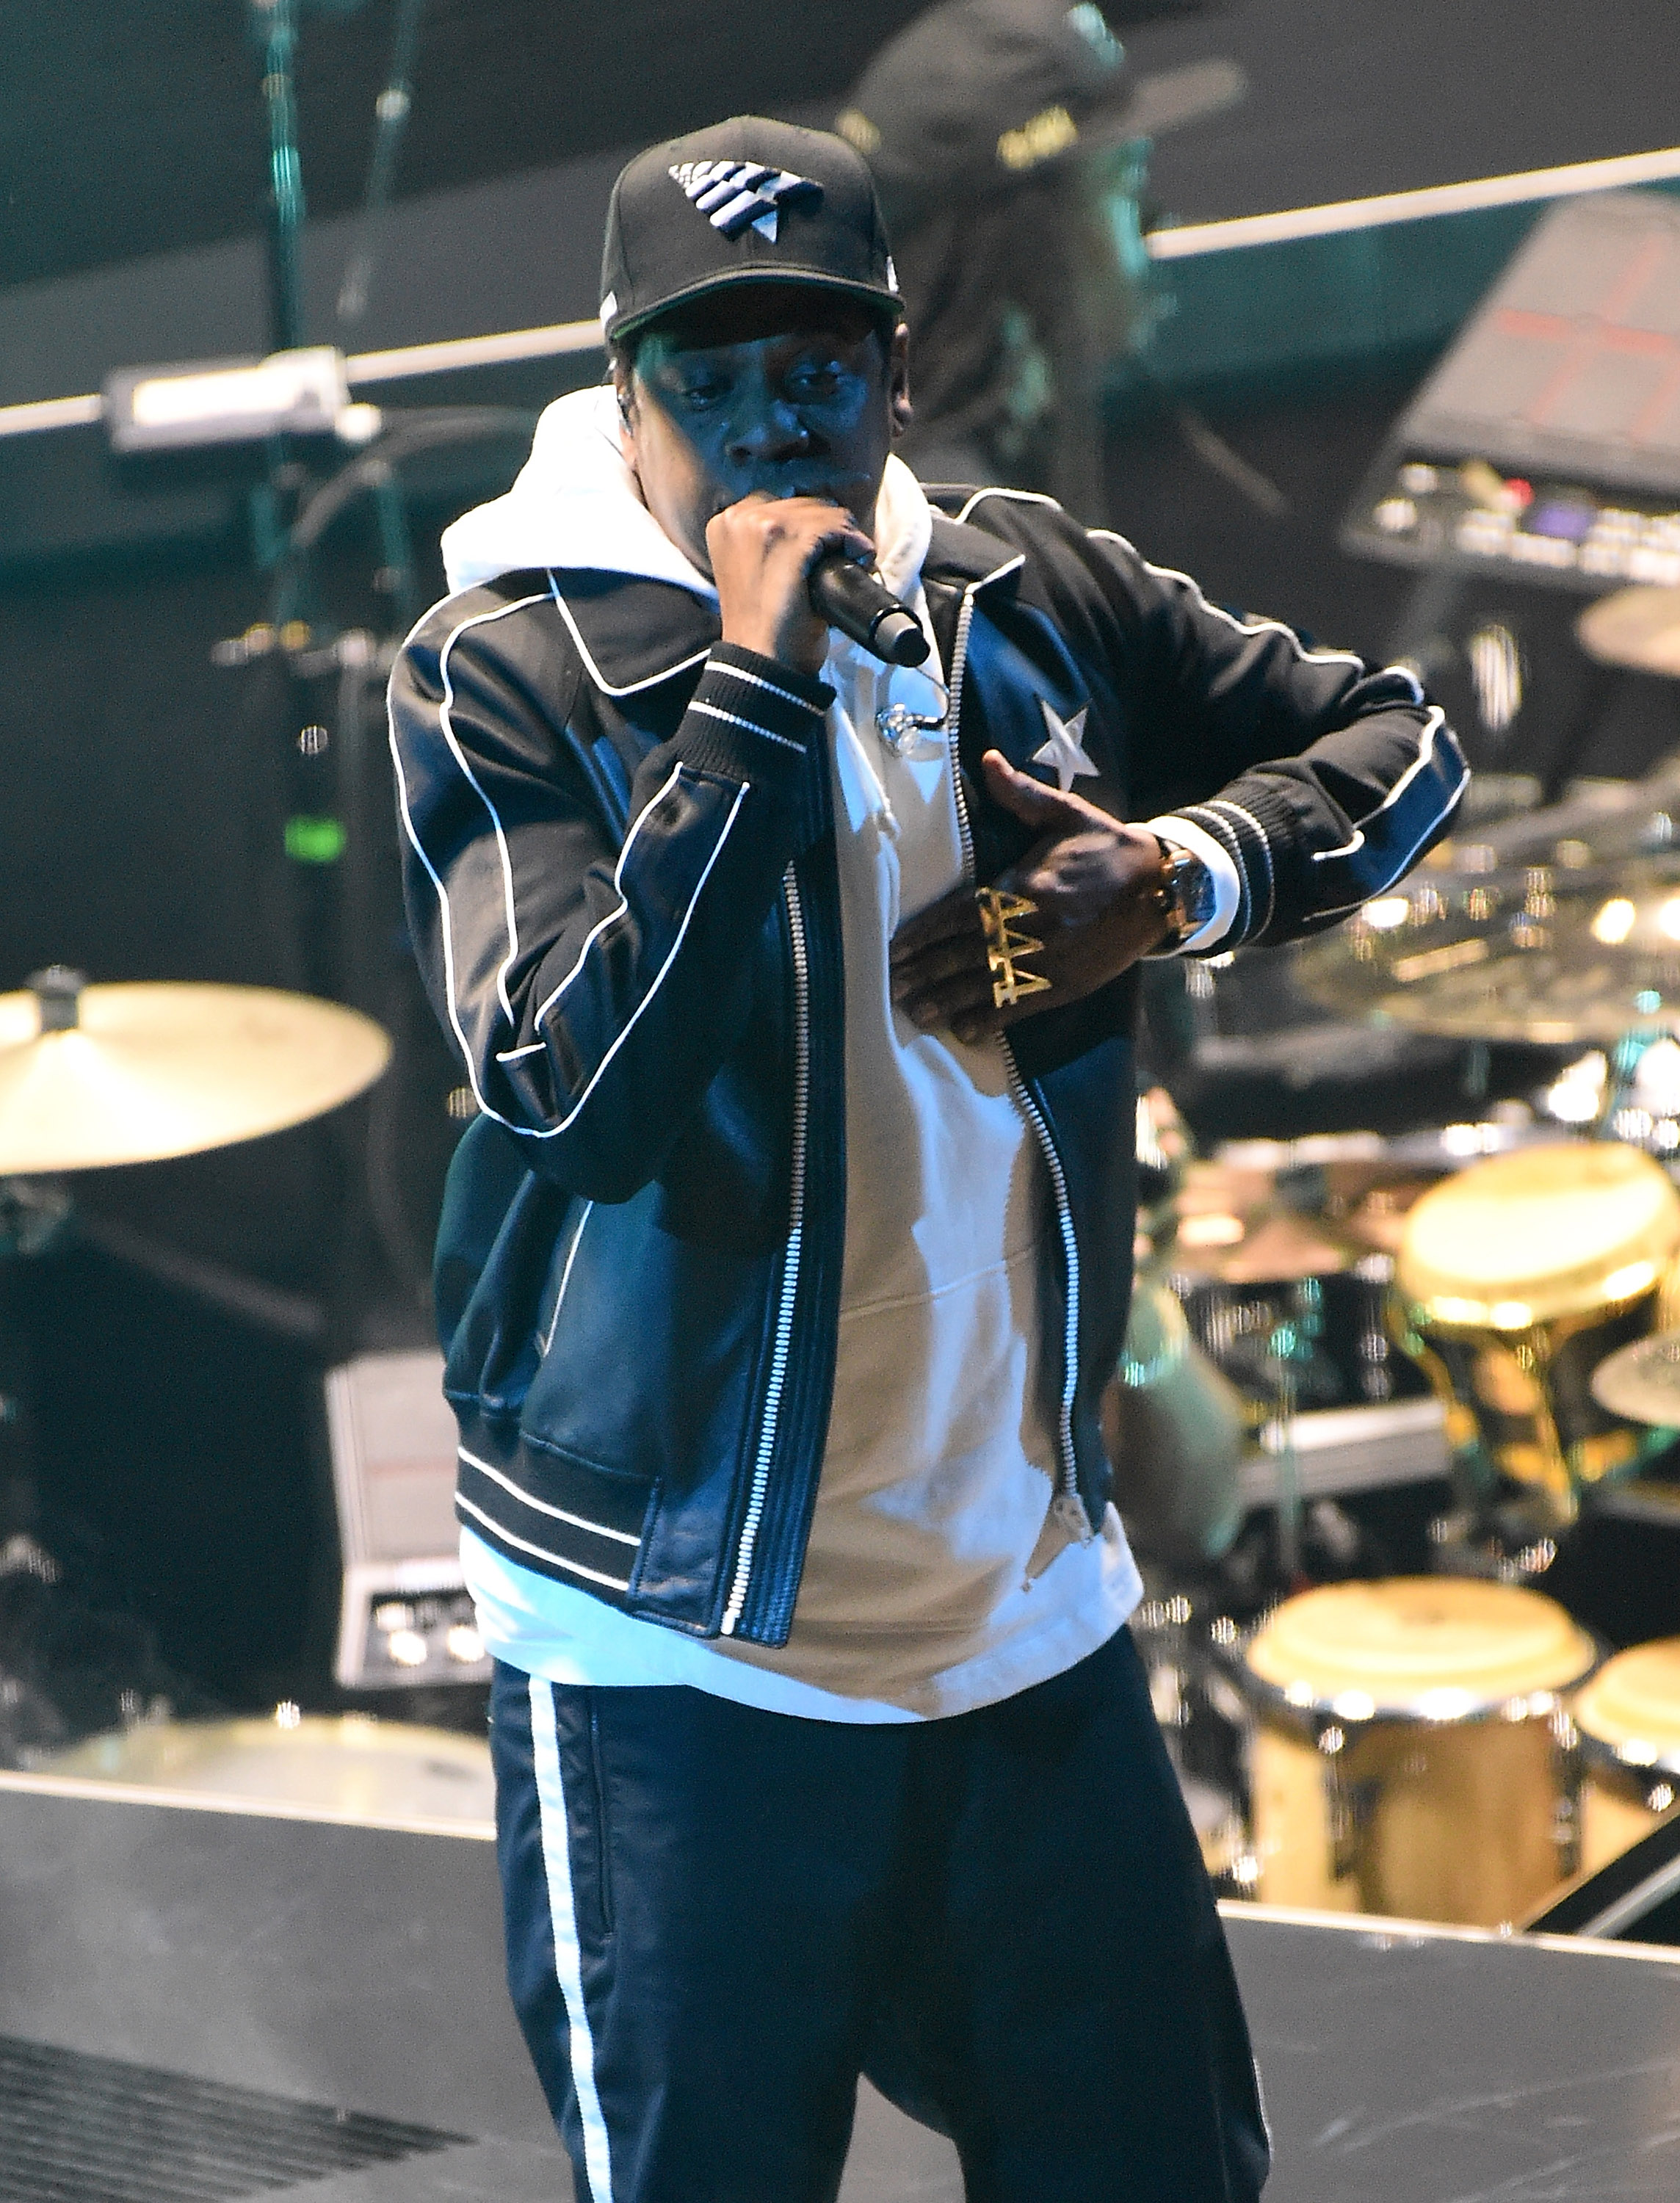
x=1004, y=949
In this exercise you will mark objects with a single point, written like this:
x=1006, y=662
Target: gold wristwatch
x=1186, y=896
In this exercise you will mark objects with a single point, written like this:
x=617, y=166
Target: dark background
x=130, y=127
x=144, y=788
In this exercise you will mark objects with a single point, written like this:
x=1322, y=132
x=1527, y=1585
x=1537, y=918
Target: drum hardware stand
x=35, y=1218
x=345, y=940
x=34, y=1213
x=342, y=934
x=1291, y=1342
x=391, y=111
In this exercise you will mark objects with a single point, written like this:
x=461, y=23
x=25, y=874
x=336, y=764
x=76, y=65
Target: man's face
x=772, y=388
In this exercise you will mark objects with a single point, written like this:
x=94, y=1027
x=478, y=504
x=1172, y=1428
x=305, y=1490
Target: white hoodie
x=935, y=1579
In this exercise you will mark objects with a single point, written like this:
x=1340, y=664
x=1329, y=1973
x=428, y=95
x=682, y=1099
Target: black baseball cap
x=976, y=97
x=745, y=201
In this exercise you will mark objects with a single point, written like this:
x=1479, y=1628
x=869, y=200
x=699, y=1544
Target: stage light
x=1614, y=922
x=304, y=393
x=1387, y=912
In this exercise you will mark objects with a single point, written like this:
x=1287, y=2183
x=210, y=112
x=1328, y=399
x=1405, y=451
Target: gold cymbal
x=1640, y=1382
x=1636, y=627
x=154, y=1070
x=1544, y=954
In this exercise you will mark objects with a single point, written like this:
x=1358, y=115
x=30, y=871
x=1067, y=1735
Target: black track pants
x=716, y=1917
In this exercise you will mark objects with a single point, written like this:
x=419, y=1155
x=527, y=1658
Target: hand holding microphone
x=788, y=568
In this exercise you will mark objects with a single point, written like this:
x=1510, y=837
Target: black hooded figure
x=1010, y=142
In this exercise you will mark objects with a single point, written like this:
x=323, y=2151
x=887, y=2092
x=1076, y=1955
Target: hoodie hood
x=576, y=505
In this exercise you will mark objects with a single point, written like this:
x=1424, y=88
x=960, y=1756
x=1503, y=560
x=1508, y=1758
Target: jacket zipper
x=1068, y=1507
x=790, y=1267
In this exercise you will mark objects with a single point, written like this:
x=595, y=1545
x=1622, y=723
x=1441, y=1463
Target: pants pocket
x=599, y=1816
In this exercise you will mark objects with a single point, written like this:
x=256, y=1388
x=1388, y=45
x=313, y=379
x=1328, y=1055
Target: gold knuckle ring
x=1004, y=948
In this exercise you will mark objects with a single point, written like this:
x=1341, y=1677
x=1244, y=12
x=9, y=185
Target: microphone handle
x=862, y=607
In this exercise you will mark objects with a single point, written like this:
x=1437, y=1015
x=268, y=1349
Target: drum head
x=1431, y=1648
x=351, y=1767
x=1633, y=1705
x=1548, y=1231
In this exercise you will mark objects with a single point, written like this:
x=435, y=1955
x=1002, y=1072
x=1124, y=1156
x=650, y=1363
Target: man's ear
x=624, y=390
x=897, y=379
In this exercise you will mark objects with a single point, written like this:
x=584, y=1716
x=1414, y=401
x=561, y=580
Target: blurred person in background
x=1009, y=141
x=784, y=1269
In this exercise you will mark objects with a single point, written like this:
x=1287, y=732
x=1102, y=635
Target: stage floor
x=189, y=1987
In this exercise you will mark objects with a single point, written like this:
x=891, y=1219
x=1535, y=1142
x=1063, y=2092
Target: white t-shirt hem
x=550, y=1629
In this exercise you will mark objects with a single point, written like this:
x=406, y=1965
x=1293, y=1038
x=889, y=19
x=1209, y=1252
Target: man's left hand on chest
x=1095, y=887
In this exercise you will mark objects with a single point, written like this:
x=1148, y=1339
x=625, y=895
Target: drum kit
x=94, y=1077
x=1454, y=1746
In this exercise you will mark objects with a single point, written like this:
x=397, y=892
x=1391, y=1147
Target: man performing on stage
x=783, y=1270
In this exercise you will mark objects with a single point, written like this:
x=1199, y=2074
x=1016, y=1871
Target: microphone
x=861, y=605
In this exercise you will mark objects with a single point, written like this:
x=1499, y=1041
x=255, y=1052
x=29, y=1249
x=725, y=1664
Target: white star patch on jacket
x=1064, y=753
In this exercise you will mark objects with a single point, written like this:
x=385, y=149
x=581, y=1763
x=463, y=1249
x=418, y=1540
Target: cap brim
x=731, y=279
x=1170, y=100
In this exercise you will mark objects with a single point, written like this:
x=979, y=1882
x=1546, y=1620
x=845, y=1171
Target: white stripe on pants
x=568, y=1952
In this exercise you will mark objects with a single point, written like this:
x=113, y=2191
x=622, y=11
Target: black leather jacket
x=622, y=890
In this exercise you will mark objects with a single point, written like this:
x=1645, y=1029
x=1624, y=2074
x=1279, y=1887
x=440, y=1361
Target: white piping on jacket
x=1262, y=626
x=1437, y=718
x=632, y=687
x=612, y=917
x=1019, y=496
x=631, y=1022
x=447, y=726
x=566, y=1274
x=549, y=1131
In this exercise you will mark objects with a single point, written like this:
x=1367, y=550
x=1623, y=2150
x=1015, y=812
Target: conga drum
x=1405, y=1755
x=1515, y=1280
x=1628, y=1719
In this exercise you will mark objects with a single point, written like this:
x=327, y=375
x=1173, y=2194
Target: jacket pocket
x=647, y=1361
x=497, y=1343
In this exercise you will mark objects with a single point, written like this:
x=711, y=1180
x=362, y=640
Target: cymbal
x=147, y=1071
x=1547, y=955
x=1636, y=627
x=1641, y=1382
x=1232, y=1227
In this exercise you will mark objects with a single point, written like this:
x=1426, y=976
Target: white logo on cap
x=734, y=195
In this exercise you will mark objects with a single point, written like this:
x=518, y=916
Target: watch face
x=1193, y=894
x=1196, y=890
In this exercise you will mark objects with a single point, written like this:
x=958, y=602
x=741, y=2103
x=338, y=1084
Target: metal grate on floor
x=80, y=2130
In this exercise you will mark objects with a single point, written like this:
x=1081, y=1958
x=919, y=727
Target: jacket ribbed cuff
x=748, y=710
